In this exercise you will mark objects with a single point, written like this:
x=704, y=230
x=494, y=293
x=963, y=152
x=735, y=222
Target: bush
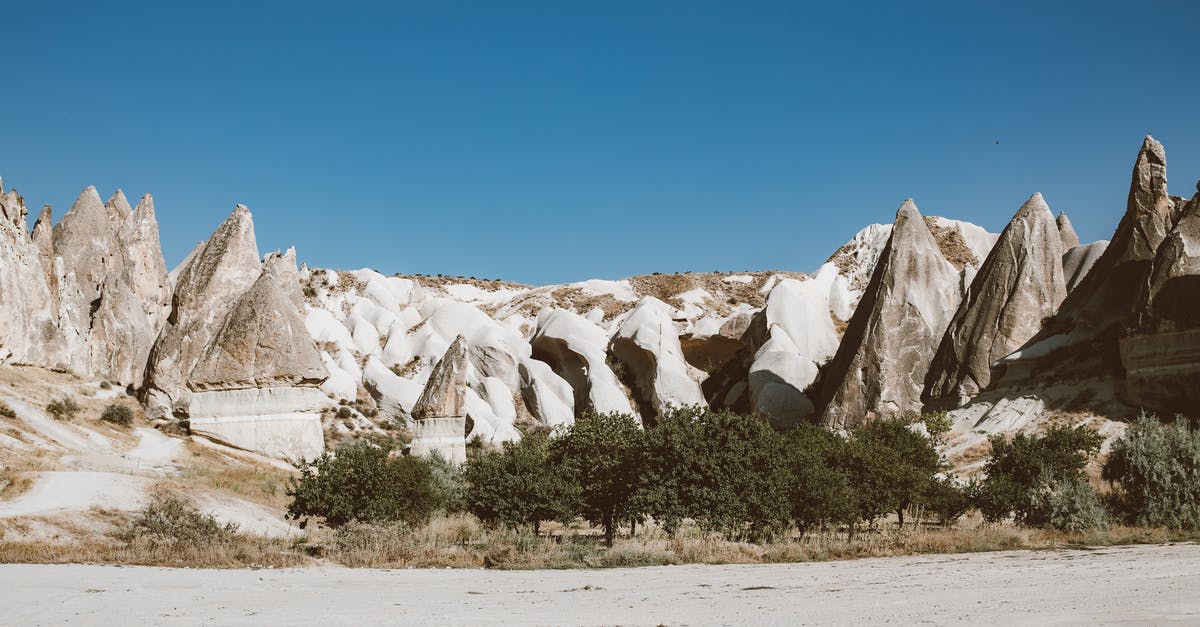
x=364, y=482
x=600, y=454
x=6, y=411
x=64, y=408
x=890, y=465
x=448, y=485
x=720, y=469
x=820, y=493
x=1024, y=470
x=946, y=499
x=1157, y=469
x=120, y=415
x=1072, y=505
x=173, y=521
x=519, y=484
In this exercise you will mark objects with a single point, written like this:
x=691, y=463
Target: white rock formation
x=647, y=344
x=576, y=350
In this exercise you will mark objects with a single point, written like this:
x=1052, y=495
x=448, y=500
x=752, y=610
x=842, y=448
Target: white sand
x=1145, y=584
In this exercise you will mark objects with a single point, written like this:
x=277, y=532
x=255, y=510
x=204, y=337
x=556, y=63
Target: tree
x=721, y=469
x=890, y=466
x=364, y=482
x=601, y=455
x=1025, y=468
x=1157, y=470
x=519, y=485
x=819, y=491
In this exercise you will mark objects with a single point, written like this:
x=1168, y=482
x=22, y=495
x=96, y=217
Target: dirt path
x=1143, y=584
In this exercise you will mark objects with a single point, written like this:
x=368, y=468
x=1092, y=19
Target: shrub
x=519, y=484
x=6, y=411
x=1072, y=505
x=820, y=493
x=946, y=499
x=173, y=521
x=117, y=414
x=720, y=469
x=1157, y=469
x=64, y=408
x=890, y=466
x=1024, y=469
x=364, y=482
x=448, y=484
x=599, y=453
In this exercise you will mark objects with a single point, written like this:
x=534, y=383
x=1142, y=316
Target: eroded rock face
x=1077, y=262
x=207, y=287
x=647, y=344
x=441, y=413
x=1161, y=349
x=1066, y=232
x=262, y=341
x=447, y=384
x=1019, y=285
x=29, y=333
x=576, y=348
x=1081, y=338
x=883, y=358
x=147, y=268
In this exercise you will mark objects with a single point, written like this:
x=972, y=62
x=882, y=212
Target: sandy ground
x=1142, y=584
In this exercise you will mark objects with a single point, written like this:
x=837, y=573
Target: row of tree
x=737, y=476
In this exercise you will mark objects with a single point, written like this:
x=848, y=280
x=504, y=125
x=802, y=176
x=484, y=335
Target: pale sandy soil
x=1138, y=584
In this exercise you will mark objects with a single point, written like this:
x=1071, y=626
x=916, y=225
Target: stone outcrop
x=440, y=417
x=1077, y=262
x=214, y=277
x=1066, y=232
x=881, y=363
x=147, y=268
x=1019, y=285
x=1161, y=350
x=647, y=345
x=1081, y=338
x=29, y=332
x=257, y=384
x=576, y=348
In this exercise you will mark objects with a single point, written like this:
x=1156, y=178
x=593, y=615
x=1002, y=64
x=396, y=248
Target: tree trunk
x=900, y=516
x=632, y=527
x=610, y=530
x=537, y=527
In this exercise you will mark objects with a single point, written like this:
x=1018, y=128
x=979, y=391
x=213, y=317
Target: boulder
x=1019, y=284
x=881, y=363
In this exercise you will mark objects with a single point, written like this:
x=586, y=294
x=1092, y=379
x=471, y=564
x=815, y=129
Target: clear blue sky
x=557, y=141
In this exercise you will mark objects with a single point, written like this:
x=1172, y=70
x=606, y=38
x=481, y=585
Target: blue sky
x=558, y=141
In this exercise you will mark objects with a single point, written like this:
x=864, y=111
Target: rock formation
x=1019, y=285
x=29, y=333
x=440, y=417
x=256, y=386
x=1081, y=338
x=647, y=345
x=1078, y=261
x=1066, y=232
x=1161, y=350
x=881, y=363
x=214, y=277
x=576, y=348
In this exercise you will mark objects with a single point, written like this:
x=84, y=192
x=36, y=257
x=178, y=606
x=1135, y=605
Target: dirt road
x=1143, y=584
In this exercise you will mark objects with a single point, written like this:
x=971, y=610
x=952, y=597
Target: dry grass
x=460, y=541
x=950, y=241
x=13, y=483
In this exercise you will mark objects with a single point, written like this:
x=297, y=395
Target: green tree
x=890, y=466
x=601, y=454
x=1024, y=469
x=1156, y=470
x=364, y=482
x=519, y=485
x=819, y=490
x=721, y=469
